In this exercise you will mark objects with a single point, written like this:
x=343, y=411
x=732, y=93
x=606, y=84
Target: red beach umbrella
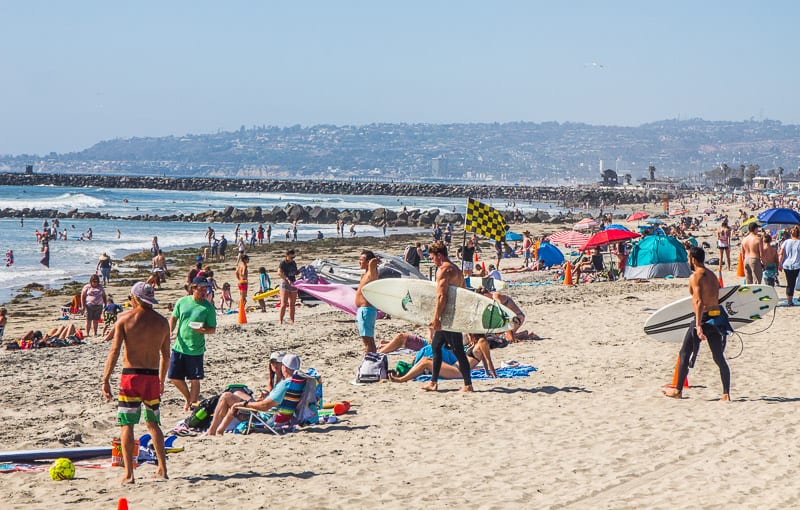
x=568, y=238
x=637, y=216
x=607, y=237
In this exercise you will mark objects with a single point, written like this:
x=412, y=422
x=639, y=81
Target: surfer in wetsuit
x=447, y=274
x=710, y=324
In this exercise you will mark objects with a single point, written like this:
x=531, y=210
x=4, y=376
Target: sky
x=78, y=72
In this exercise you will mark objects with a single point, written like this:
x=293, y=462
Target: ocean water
x=76, y=259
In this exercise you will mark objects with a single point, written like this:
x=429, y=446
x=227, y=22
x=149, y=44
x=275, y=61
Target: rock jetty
x=566, y=197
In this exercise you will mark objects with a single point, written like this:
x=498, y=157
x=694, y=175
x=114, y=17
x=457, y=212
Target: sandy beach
x=589, y=429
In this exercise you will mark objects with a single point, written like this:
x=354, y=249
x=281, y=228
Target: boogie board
x=743, y=304
x=266, y=294
x=55, y=453
x=415, y=301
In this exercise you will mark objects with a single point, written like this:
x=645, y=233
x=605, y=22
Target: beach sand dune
x=589, y=429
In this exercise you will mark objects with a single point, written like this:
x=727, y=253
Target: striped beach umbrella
x=568, y=238
x=586, y=223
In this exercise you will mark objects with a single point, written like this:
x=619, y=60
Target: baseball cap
x=291, y=361
x=144, y=292
x=200, y=281
x=277, y=356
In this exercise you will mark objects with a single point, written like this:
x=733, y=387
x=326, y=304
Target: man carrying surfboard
x=145, y=335
x=710, y=324
x=366, y=314
x=447, y=274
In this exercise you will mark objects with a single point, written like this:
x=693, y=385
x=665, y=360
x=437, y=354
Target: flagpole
x=464, y=241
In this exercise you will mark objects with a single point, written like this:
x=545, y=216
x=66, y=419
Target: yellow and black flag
x=485, y=221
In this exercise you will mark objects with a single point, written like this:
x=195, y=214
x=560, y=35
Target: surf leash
x=740, y=333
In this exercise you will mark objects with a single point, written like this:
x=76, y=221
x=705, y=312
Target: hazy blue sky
x=73, y=73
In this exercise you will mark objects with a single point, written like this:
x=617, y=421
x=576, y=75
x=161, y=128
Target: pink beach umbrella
x=638, y=216
x=568, y=238
x=586, y=223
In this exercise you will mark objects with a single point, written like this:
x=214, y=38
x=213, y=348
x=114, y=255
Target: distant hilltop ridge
x=547, y=153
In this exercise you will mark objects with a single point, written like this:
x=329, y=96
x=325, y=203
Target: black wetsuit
x=455, y=341
x=716, y=342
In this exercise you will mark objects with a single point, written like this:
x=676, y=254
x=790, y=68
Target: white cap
x=291, y=361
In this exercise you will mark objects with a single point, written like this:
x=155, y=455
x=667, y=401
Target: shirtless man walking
x=241, y=277
x=709, y=319
x=447, y=274
x=145, y=335
x=769, y=256
x=366, y=313
x=724, y=244
x=752, y=250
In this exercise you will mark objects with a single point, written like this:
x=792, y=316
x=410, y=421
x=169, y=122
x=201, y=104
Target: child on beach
x=264, y=285
x=212, y=286
x=226, y=297
x=3, y=320
x=110, y=312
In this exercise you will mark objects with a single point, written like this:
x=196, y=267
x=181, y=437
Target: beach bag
x=309, y=274
x=203, y=414
x=374, y=367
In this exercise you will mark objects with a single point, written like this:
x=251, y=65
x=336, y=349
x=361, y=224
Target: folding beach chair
x=300, y=405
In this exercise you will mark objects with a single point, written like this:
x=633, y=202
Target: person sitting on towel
x=231, y=401
x=477, y=352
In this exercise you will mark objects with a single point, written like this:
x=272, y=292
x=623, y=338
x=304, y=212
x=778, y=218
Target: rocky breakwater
x=567, y=197
x=302, y=214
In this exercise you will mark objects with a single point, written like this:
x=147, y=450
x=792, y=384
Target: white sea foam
x=63, y=202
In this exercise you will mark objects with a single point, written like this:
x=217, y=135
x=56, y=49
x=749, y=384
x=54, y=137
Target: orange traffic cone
x=477, y=257
x=123, y=504
x=675, y=376
x=740, y=267
x=568, y=274
x=719, y=278
x=242, y=313
x=483, y=266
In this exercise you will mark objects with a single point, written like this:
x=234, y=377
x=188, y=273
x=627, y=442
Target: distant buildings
x=439, y=167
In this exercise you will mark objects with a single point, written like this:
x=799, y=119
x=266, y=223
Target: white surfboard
x=415, y=301
x=743, y=304
x=477, y=281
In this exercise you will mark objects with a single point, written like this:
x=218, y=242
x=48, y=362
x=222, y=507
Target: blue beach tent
x=657, y=256
x=550, y=255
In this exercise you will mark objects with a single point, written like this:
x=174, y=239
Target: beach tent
x=549, y=254
x=657, y=256
x=513, y=236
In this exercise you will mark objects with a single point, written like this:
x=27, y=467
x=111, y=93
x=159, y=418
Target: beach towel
x=516, y=372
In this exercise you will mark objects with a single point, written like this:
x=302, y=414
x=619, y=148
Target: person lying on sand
x=477, y=351
x=408, y=341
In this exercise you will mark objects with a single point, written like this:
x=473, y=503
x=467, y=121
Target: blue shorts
x=366, y=317
x=185, y=366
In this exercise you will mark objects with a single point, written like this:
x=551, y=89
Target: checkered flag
x=485, y=221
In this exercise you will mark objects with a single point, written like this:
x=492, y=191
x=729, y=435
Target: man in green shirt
x=195, y=318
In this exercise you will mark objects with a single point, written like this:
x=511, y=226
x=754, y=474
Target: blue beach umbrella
x=779, y=215
x=617, y=226
x=513, y=236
